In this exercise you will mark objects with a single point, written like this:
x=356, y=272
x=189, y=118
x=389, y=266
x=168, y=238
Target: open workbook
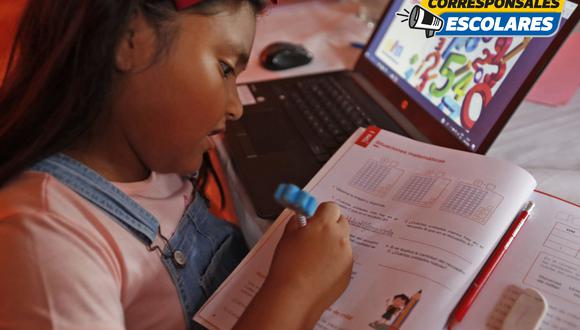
x=423, y=221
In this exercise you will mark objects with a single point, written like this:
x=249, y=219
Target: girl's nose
x=235, y=108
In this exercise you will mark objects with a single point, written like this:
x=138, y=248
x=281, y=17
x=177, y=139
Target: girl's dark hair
x=60, y=74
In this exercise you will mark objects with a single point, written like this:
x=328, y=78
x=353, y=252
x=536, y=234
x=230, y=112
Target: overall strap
x=102, y=193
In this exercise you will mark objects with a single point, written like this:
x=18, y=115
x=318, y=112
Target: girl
x=105, y=112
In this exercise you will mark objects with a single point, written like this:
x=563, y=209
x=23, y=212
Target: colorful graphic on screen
x=465, y=83
x=457, y=75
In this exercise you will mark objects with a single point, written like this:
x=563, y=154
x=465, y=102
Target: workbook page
x=545, y=256
x=423, y=219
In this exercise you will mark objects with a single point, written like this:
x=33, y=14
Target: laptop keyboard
x=324, y=113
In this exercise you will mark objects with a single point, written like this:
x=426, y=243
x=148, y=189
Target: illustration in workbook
x=475, y=201
x=377, y=177
x=397, y=310
x=423, y=189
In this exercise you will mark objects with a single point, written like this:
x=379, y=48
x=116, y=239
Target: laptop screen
x=465, y=83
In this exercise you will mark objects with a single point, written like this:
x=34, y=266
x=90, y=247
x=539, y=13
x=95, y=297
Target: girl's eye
x=227, y=70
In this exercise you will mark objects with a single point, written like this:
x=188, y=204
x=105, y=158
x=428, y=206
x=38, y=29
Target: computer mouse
x=284, y=55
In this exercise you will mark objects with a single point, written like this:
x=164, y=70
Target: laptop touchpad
x=270, y=131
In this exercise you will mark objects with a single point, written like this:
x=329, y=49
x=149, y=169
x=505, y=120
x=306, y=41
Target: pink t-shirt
x=65, y=264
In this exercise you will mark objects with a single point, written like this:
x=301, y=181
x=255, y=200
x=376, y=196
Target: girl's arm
x=57, y=274
x=277, y=307
x=310, y=270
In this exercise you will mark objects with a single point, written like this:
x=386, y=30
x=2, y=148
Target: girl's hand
x=314, y=261
x=311, y=268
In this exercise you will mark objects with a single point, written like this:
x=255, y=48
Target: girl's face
x=165, y=110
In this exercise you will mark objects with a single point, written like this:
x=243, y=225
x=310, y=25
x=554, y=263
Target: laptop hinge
x=389, y=108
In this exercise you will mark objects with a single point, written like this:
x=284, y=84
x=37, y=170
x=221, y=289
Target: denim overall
x=202, y=252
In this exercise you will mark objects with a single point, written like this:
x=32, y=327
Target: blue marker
x=299, y=201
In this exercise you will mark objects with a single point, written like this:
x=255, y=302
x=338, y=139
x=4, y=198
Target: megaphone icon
x=422, y=19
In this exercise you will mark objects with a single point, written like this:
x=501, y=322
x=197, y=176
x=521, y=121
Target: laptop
x=449, y=91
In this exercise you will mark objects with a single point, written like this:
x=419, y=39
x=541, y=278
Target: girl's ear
x=136, y=46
